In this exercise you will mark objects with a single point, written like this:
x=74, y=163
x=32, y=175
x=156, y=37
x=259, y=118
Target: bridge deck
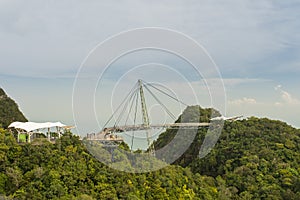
x=106, y=133
x=119, y=129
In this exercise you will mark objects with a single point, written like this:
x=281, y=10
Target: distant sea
x=138, y=139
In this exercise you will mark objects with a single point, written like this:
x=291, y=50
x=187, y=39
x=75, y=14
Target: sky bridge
x=140, y=127
x=129, y=107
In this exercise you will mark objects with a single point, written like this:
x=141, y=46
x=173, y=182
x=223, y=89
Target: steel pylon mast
x=143, y=104
x=146, y=122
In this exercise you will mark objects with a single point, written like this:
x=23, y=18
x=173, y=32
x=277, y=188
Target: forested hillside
x=253, y=158
x=65, y=170
x=9, y=110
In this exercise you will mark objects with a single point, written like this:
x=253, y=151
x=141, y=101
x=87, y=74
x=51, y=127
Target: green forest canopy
x=253, y=159
x=9, y=110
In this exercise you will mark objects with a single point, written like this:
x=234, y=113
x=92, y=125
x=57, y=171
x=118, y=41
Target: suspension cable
x=174, y=98
x=127, y=96
x=130, y=108
x=134, y=119
x=166, y=109
x=122, y=113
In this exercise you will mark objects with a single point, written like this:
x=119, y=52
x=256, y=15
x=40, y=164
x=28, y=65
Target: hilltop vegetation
x=9, y=110
x=65, y=170
x=253, y=159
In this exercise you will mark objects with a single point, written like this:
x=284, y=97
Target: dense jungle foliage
x=65, y=170
x=252, y=159
x=9, y=110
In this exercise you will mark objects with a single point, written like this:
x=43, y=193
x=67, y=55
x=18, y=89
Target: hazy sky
x=255, y=44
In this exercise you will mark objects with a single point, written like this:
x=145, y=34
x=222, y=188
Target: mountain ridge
x=252, y=159
x=9, y=110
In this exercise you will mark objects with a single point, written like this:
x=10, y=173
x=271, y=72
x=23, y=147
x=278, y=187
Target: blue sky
x=255, y=44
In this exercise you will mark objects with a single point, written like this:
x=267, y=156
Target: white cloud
x=286, y=98
x=53, y=36
x=243, y=101
x=231, y=82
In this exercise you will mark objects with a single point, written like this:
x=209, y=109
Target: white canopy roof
x=31, y=126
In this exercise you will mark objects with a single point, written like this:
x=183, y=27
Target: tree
x=9, y=110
